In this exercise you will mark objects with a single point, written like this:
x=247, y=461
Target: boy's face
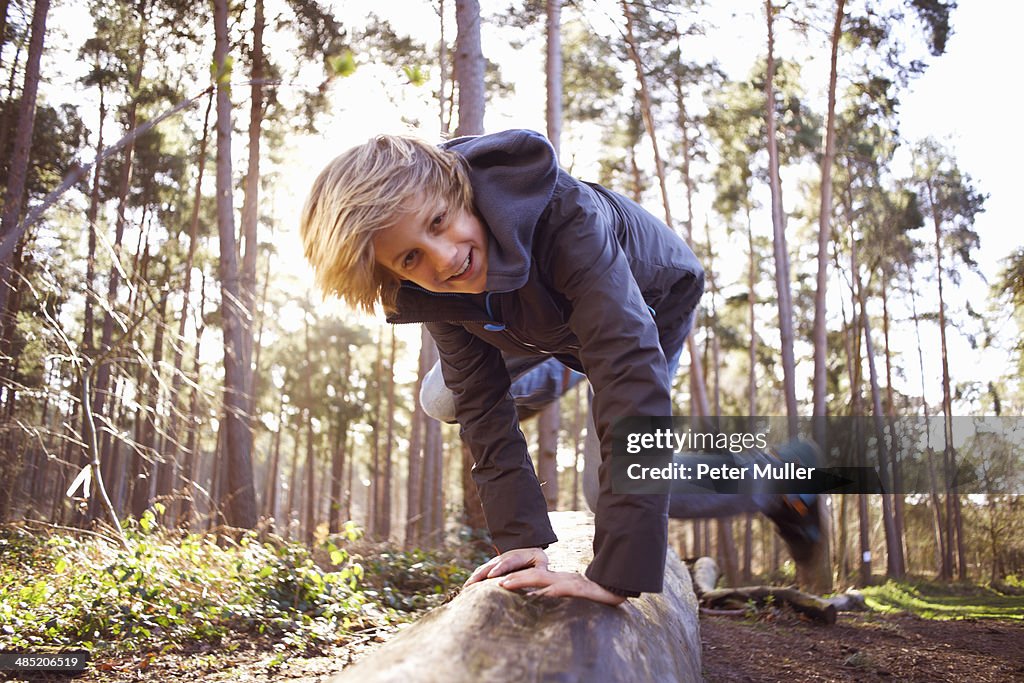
x=439, y=249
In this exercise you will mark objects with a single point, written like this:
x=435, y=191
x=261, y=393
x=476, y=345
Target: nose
x=441, y=255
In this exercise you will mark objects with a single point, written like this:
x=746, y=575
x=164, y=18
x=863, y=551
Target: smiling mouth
x=465, y=267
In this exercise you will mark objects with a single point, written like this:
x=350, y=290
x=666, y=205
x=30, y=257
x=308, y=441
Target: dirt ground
x=777, y=646
x=862, y=647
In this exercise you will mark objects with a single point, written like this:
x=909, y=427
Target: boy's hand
x=559, y=585
x=509, y=561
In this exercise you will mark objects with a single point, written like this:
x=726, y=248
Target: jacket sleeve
x=513, y=503
x=622, y=357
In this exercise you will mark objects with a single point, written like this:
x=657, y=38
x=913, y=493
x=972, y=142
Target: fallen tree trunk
x=492, y=634
x=731, y=601
x=817, y=608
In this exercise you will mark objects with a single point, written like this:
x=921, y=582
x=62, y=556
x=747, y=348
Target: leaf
x=342, y=65
x=83, y=481
x=338, y=556
x=416, y=74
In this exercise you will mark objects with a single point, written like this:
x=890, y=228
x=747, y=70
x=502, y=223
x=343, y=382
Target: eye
x=438, y=222
x=410, y=258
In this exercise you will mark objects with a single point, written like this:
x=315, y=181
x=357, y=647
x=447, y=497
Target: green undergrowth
x=944, y=601
x=171, y=591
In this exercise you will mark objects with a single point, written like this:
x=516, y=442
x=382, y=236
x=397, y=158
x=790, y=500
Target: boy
x=509, y=260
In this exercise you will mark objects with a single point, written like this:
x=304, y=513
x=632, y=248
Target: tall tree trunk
x=893, y=547
x=274, y=470
x=952, y=501
x=195, y=421
x=853, y=337
x=250, y=205
x=374, y=498
x=177, y=376
x=752, y=271
x=414, y=483
x=163, y=466
x=124, y=185
x=385, y=512
x=309, y=514
x=890, y=412
x=469, y=68
x=553, y=72
x=90, y=217
x=938, y=527
x=432, y=470
x=825, y=237
x=338, y=458
x=434, y=486
x=549, y=420
x=779, y=230
x=239, y=492
x=17, y=173
x=727, y=552
x=823, y=573
x=88, y=333
x=444, y=111
x=293, y=480
x=547, y=453
x=11, y=265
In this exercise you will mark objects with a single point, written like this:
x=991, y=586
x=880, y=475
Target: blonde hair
x=364, y=191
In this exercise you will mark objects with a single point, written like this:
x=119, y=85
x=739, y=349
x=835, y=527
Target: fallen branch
x=817, y=608
x=71, y=529
x=705, y=575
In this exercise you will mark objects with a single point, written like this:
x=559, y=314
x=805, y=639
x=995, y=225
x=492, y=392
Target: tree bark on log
x=489, y=633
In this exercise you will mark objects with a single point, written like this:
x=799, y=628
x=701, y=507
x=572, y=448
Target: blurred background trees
x=838, y=256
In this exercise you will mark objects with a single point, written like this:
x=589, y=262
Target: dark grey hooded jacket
x=588, y=276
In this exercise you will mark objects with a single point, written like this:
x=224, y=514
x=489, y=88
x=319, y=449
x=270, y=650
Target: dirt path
x=862, y=647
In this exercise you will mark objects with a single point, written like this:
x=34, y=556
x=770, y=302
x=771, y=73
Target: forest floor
x=979, y=637
x=863, y=647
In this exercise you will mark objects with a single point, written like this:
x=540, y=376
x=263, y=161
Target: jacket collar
x=418, y=305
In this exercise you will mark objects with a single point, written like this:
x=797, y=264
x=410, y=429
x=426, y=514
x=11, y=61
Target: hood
x=513, y=175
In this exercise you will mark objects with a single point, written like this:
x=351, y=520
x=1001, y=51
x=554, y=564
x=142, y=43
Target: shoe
x=798, y=516
x=799, y=524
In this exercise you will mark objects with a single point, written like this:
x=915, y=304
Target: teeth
x=465, y=267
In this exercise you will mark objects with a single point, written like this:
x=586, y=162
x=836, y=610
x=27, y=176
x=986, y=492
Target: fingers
x=508, y=562
x=483, y=571
x=529, y=578
x=559, y=585
x=516, y=559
